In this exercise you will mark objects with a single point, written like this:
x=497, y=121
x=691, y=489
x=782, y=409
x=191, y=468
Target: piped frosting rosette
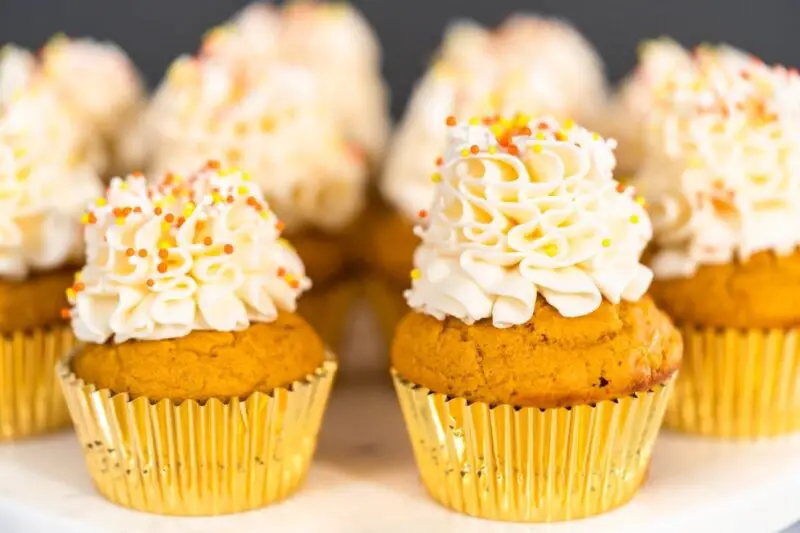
x=182, y=254
x=531, y=64
x=723, y=164
x=527, y=209
x=273, y=124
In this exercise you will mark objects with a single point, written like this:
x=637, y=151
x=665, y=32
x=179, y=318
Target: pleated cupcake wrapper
x=529, y=464
x=31, y=402
x=327, y=309
x=738, y=383
x=192, y=458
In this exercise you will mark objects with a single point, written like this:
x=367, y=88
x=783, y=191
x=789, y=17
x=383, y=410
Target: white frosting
x=529, y=64
x=201, y=253
x=723, y=164
x=40, y=204
x=548, y=220
x=274, y=127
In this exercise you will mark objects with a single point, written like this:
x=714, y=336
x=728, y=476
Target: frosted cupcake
x=271, y=121
x=532, y=371
x=42, y=195
x=638, y=93
x=96, y=81
x=722, y=172
x=528, y=64
x=197, y=389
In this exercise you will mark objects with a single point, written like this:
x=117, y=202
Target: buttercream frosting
x=530, y=64
x=524, y=209
x=182, y=254
x=722, y=167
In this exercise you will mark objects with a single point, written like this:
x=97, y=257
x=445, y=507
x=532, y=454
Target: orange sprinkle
x=163, y=253
x=170, y=217
x=439, y=161
x=561, y=136
x=281, y=272
x=279, y=225
x=487, y=121
x=79, y=286
x=162, y=267
x=150, y=282
x=181, y=220
x=251, y=200
x=230, y=199
x=474, y=149
x=137, y=209
x=207, y=241
x=130, y=252
x=137, y=174
x=451, y=121
x=294, y=284
x=213, y=163
x=92, y=218
x=526, y=131
x=158, y=211
x=422, y=213
x=142, y=253
x=513, y=149
x=228, y=248
x=66, y=314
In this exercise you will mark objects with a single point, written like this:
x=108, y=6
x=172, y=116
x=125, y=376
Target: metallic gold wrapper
x=31, y=402
x=191, y=458
x=737, y=383
x=529, y=464
x=327, y=309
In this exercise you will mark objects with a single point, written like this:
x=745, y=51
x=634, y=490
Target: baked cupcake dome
x=721, y=174
x=530, y=332
x=186, y=306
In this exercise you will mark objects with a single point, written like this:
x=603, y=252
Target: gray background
x=155, y=31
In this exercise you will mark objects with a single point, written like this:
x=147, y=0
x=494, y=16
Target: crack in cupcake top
x=182, y=254
x=525, y=208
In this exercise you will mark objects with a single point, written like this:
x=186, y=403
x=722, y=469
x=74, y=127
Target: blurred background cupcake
x=45, y=183
x=255, y=99
x=532, y=371
x=722, y=171
x=96, y=81
x=528, y=64
x=197, y=390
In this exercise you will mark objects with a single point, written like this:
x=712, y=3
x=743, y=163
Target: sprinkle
x=436, y=178
x=162, y=267
x=474, y=121
x=551, y=250
x=464, y=152
x=640, y=200
x=561, y=136
x=79, y=286
x=228, y=249
x=142, y=253
x=537, y=148
x=169, y=218
x=120, y=221
x=422, y=213
x=281, y=272
x=526, y=131
x=230, y=199
x=150, y=282
x=130, y=252
x=606, y=243
x=279, y=225
x=100, y=202
x=492, y=149
x=243, y=189
x=568, y=124
x=213, y=163
x=71, y=293
x=513, y=149
x=439, y=161
x=451, y=121
x=293, y=283
x=634, y=219
x=207, y=241
x=85, y=218
x=137, y=174
x=158, y=211
x=188, y=209
x=474, y=149
x=595, y=136
x=163, y=253
x=540, y=136
x=416, y=274
x=66, y=313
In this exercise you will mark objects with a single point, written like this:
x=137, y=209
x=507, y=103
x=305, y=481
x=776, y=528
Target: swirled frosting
x=658, y=59
x=182, y=254
x=722, y=167
x=526, y=209
x=274, y=125
x=529, y=64
x=41, y=199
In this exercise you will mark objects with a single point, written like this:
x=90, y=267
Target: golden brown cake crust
x=206, y=364
x=763, y=292
x=390, y=245
x=551, y=361
x=34, y=302
x=324, y=255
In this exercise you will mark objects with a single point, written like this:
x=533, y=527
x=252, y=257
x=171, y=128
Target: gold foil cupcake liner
x=527, y=464
x=193, y=458
x=738, y=383
x=31, y=402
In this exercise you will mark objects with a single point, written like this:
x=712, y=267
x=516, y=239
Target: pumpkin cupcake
x=532, y=371
x=197, y=389
x=42, y=196
x=96, y=81
x=722, y=174
x=528, y=64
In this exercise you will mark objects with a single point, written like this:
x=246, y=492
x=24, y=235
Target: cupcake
x=96, y=81
x=271, y=121
x=532, y=371
x=721, y=172
x=196, y=389
x=637, y=93
x=42, y=195
x=529, y=64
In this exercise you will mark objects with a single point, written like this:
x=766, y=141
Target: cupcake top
x=527, y=208
x=722, y=167
x=269, y=120
x=182, y=254
x=531, y=64
x=42, y=189
x=96, y=79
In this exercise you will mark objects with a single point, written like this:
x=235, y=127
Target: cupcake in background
x=722, y=173
x=628, y=109
x=271, y=121
x=528, y=64
x=532, y=371
x=95, y=80
x=43, y=192
x=197, y=389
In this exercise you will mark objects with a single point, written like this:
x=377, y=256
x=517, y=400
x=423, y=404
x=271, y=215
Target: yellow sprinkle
x=606, y=243
x=243, y=189
x=551, y=250
x=464, y=152
x=436, y=178
x=123, y=186
x=568, y=124
x=164, y=244
x=289, y=278
x=474, y=121
x=595, y=136
x=188, y=209
x=85, y=218
x=165, y=227
x=120, y=221
x=540, y=136
x=492, y=149
x=264, y=214
x=522, y=119
x=100, y=202
x=285, y=244
x=246, y=176
x=170, y=199
x=634, y=219
x=416, y=274
x=537, y=148
x=78, y=276
x=216, y=197
x=640, y=200
x=71, y=293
